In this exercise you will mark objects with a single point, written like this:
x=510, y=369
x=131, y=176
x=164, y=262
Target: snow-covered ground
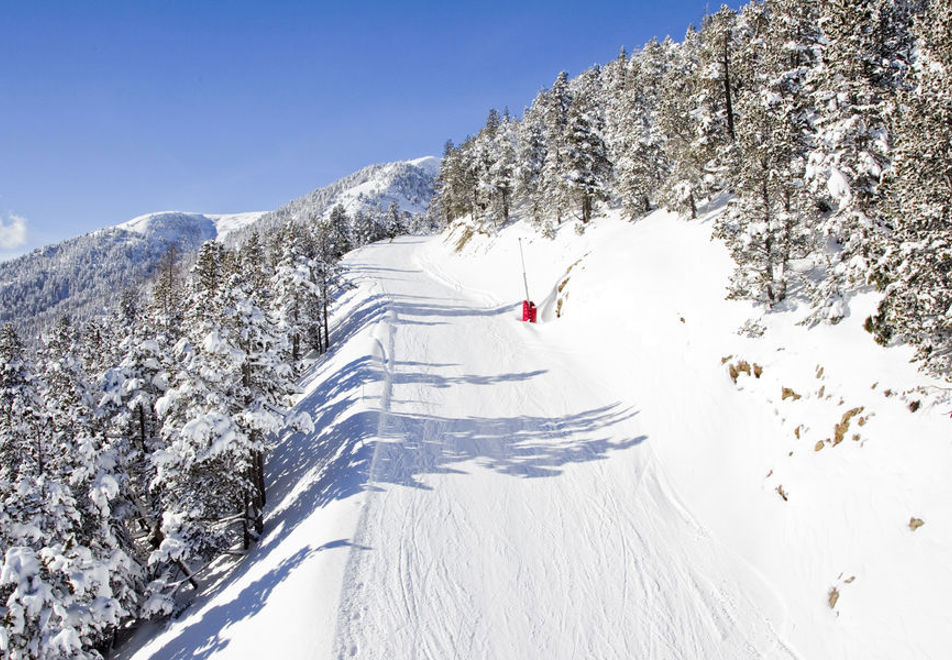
x=608, y=483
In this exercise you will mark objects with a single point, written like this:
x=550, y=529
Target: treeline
x=132, y=447
x=829, y=124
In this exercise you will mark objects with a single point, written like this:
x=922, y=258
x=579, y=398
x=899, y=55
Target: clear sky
x=113, y=109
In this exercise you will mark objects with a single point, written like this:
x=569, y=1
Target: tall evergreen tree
x=588, y=169
x=555, y=170
x=852, y=149
x=677, y=119
x=768, y=221
x=531, y=158
x=917, y=268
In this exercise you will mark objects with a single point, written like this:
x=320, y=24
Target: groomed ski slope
x=594, y=486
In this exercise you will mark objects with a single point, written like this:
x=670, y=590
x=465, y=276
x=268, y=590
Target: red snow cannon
x=529, y=311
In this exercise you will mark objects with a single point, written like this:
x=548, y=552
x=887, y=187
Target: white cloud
x=12, y=232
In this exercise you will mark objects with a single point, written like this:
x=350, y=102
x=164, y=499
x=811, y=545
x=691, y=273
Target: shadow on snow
x=336, y=461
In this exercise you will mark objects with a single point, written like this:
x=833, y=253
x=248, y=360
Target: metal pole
x=525, y=282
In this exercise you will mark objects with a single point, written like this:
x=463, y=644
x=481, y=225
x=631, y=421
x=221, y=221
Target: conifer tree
x=337, y=230
x=502, y=169
x=588, y=169
x=639, y=162
x=68, y=575
x=677, y=119
x=852, y=146
x=917, y=268
x=716, y=97
x=768, y=221
x=294, y=292
x=531, y=157
x=555, y=170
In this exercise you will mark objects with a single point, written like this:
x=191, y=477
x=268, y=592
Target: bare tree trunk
x=729, y=106
x=245, y=531
x=586, y=208
x=187, y=573
x=327, y=334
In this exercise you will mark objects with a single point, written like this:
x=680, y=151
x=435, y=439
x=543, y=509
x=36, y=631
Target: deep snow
x=596, y=485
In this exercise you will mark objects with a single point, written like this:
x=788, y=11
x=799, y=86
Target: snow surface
x=169, y=224
x=429, y=164
x=596, y=485
x=228, y=222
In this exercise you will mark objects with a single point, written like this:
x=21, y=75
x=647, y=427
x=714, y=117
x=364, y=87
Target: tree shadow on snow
x=354, y=449
x=204, y=638
x=523, y=446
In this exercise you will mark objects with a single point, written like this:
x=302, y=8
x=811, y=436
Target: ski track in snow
x=492, y=525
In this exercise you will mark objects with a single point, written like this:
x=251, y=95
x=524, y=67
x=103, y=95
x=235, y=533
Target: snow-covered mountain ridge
x=172, y=226
x=408, y=185
x=632, y=477
x=83, y=276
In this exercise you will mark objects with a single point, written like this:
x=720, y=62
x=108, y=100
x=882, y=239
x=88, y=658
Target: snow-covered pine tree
x=395, y=221
x=21, y=408
x=502, y=169
x=555, y=170
x=588, y=168
x=457, y=183
x=852, y=148
x=638, y=158
x=326, y=274
x=256, y=267
x=167, y=306
x=917, y=269
x=768, y=222
x=365, y=228
x=614, y=102
x=483, y=158
x=337, y=231
x=264, y=392
x=294, y=292
x=677, y=120
x=129, y=392
x=228, y=394
x=715, y=102
x=68, y=579
x=530, y=159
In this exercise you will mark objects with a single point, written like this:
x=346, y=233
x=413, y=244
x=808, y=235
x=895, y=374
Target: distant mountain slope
x=83, y=276
x=371, y=190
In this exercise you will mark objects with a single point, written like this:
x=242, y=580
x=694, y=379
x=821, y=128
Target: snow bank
x=805, y=451
x=282, y=599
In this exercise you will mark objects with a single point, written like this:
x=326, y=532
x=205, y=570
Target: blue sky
x=114, y=109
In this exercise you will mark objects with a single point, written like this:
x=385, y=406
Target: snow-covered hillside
x=407, y=184
x=631, y=477
x=83, y=276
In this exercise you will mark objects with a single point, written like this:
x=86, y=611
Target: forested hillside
x=85, y=276
x=133, y=445
x=827, y=122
